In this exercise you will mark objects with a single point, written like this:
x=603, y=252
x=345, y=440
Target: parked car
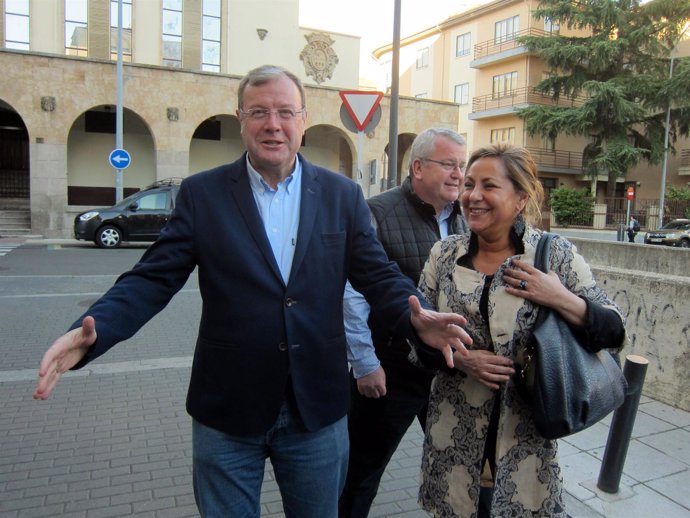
x=139, y=217
x=673, y=233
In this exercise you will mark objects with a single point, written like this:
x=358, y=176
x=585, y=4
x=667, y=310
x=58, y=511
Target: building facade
x=474, y=60
x=182, y=63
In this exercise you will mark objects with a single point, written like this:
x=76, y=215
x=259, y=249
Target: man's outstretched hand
x=441, y=331
x=65, y=353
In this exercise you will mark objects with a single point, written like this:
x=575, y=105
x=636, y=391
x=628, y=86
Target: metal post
x=118, y=104
x=622, y=423
x=395, y=89
x=667, y=129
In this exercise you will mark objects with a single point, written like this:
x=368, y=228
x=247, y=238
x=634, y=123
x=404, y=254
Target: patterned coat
x=528, y=478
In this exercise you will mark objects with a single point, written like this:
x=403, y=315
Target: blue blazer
x=256, y=332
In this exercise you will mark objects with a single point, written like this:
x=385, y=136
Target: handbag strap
x=542, y=256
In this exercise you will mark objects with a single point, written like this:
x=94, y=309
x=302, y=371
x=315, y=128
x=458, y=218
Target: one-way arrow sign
x=119, y=159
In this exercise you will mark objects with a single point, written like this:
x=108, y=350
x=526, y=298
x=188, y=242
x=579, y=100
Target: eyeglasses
x=447, y=166
x=284, y=114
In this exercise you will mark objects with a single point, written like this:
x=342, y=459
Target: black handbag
x=568, y=387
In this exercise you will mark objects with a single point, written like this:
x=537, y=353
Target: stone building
x=181, y=65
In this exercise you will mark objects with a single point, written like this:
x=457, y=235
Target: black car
x=139, y=217
x=673, y=233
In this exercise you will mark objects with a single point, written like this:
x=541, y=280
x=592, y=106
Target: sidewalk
x=117, y=442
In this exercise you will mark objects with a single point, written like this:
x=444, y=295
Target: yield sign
x=361, y=105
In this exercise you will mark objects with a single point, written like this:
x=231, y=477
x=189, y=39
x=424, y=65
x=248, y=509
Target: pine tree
x=616, y=77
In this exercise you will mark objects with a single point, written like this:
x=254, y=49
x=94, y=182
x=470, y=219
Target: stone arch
x=14, y=158
x=329, y=147
x=216, y=141
x=91, y=138
x=404, y=145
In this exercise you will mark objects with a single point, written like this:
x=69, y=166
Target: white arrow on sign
x=361, y=105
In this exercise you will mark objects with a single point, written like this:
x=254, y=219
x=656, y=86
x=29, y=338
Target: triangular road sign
x=361, y=105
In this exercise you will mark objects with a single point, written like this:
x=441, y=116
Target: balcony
x=564, y=162
x=500, y=49
x=486, y=106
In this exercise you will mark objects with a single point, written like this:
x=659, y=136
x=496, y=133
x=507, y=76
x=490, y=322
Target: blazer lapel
x=309, y=205
x=244, y=198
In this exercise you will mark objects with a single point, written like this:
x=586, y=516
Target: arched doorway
x=216, y=141
x=90, y=178
x=326, y=146
x=14, y=159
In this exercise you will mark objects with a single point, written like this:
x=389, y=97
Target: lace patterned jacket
x=528, y=479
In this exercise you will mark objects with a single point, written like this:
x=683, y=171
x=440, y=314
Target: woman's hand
x=486, y=367
x=524, y=280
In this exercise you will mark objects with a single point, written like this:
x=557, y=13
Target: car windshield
x=676, y=225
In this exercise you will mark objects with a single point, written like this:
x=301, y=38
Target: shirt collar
x=259, y=185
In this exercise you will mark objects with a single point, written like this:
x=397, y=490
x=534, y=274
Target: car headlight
x=88, y=215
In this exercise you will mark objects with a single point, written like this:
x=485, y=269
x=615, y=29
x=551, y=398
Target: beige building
x=182, y=61
x=472, y=59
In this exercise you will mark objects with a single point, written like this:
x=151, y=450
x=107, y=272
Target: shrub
x=572, y=206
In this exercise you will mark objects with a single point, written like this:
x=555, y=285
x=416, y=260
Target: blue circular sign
x=119, y=159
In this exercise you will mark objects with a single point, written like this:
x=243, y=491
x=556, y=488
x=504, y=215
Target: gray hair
x=264, y=74
x=424, y=143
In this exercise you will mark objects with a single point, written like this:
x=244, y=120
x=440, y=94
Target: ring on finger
x=522, y=285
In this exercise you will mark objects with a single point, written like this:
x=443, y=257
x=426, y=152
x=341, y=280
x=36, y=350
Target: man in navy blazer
x=274, y=238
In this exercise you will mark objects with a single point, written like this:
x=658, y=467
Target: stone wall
x=651, y=284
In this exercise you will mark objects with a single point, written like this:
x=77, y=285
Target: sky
x=373, y=19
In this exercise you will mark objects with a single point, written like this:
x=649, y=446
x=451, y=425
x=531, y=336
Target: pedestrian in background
x=476, y=414
x=387, y=391
x=633, y=228
x=274, y=239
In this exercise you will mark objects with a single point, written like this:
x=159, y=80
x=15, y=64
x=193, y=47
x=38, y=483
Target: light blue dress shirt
x=360, y=347
x=279, y=210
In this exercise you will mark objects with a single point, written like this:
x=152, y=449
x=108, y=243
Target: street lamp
x=662, y=195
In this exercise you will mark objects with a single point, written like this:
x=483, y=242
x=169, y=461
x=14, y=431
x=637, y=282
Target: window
x=504, y=85
x=172, y=33
x=462, y=93
x=423, y=58
x=550, y=26
x=503, y=135
x=505, y=30
x=549, y=184
x=463, y=44
x=210, y=36
x=17, y=24
x=157, y=201
x=76, y=28
x=126, y=30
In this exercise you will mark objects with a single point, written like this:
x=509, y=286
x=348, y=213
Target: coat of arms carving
x=318, y=56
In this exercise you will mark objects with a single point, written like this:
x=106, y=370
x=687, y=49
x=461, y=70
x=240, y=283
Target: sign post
x=630, y=195
x=362, y=108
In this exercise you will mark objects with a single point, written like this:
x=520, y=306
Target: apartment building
x=473, y=59
x=181, y=65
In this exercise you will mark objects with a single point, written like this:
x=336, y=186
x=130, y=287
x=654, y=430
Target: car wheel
x=685, y=243
x=108, y=237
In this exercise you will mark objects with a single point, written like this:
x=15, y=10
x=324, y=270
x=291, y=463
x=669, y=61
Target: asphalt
x=115, y=439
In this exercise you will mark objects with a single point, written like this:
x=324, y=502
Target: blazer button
x=290, y=302
x=282, y=346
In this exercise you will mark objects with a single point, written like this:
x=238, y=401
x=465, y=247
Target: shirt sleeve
x=360, y=347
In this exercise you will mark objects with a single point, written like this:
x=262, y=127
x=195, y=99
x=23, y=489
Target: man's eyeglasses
x=446, y=165
x=284, y=114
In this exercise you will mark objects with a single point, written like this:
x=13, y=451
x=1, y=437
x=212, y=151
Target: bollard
x=621, y=234
x=622, y=423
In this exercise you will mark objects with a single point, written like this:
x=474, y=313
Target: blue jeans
x=309, y=467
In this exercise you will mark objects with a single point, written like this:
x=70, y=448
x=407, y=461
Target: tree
x=572, y=206
x=616, y=78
